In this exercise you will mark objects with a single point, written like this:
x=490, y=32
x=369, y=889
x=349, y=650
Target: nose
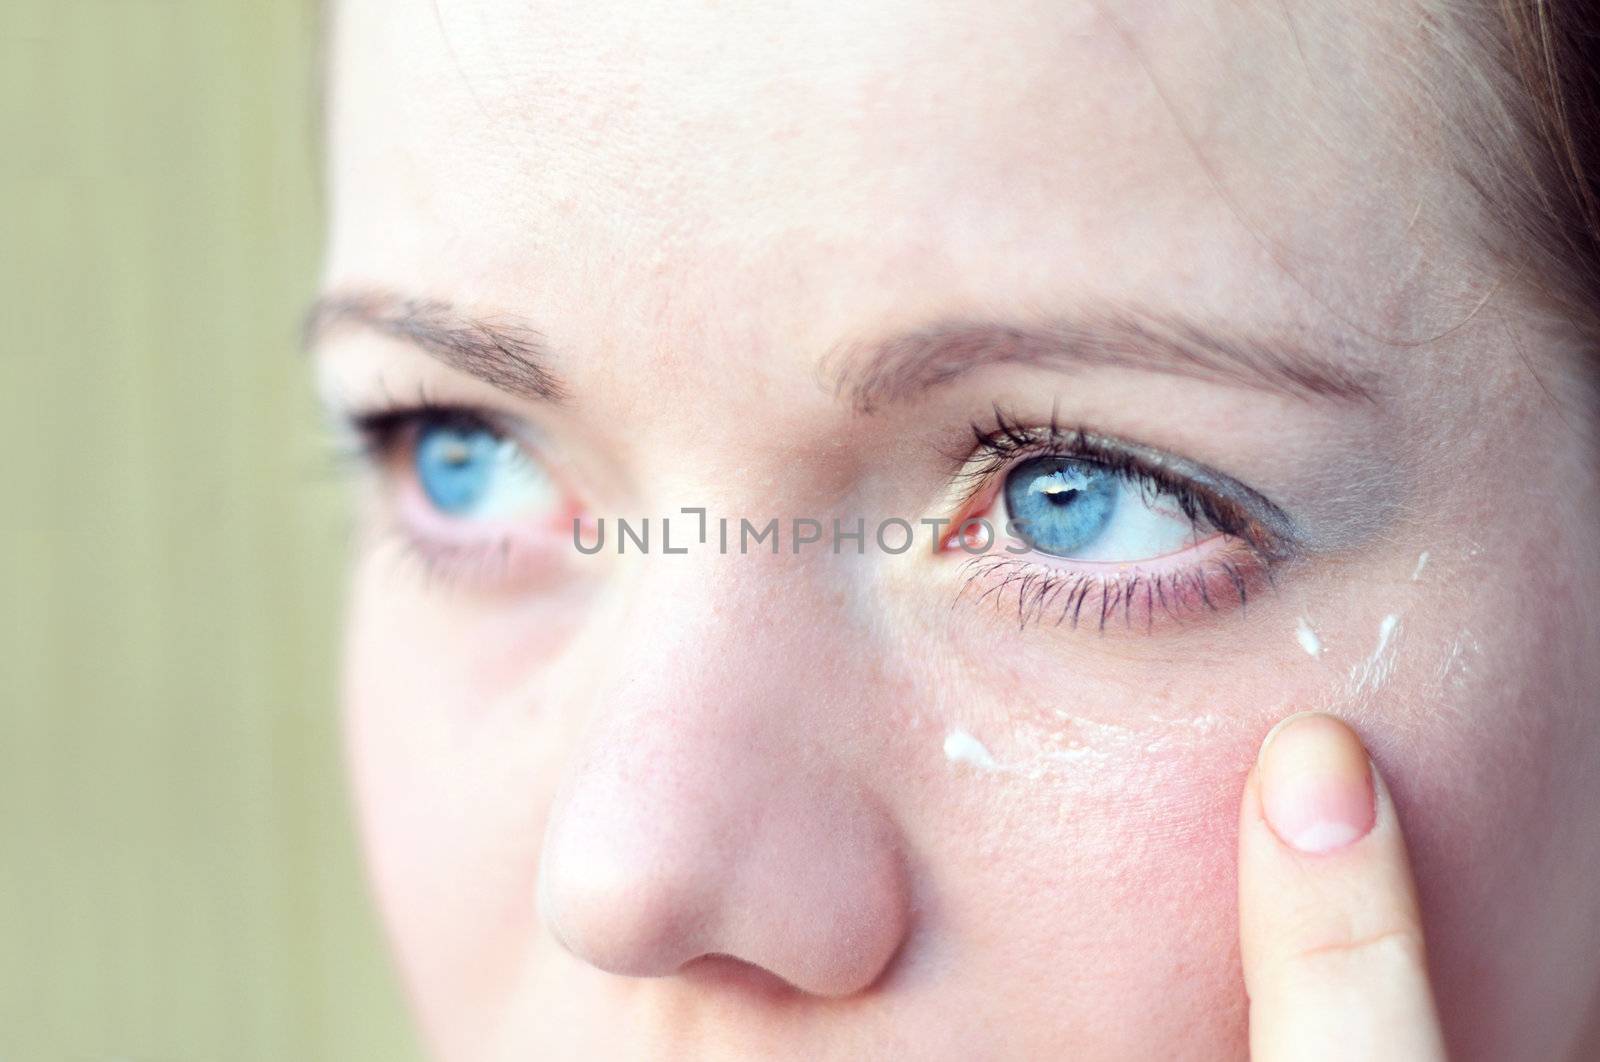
x=713, y=809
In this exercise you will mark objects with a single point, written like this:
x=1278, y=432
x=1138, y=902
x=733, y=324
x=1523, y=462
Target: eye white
x=1146, y=523
x=517, y=485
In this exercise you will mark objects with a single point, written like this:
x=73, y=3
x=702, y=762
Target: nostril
x=736, y=975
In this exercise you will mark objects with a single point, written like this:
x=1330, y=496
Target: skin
x=699, y=805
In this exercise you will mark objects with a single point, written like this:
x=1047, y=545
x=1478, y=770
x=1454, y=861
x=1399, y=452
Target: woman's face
x=1193, y=293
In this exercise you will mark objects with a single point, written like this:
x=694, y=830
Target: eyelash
x=378, y=433
x=1207, y=585
x=1038, y=589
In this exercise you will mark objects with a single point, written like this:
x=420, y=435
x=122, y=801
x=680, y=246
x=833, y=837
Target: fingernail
x=1315, y=783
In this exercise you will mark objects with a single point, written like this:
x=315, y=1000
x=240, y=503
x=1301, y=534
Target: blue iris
x=1061, y=504
x=456, y=465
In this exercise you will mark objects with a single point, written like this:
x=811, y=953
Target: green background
x=178, y=876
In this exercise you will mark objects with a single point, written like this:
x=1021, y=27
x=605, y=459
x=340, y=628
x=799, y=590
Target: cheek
x=1488, y=748
x=452, y=780
x=1098, y=893
x=1082, y=829
x=1080, y=853
x=1092, y=827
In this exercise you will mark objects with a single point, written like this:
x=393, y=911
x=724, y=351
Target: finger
x=1330, y=935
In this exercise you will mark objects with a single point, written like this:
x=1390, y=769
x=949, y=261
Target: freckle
x=962, y=747
x=1308, y=638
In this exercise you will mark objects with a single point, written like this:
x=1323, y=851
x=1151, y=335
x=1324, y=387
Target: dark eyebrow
x=504, y=351
x=874, y=374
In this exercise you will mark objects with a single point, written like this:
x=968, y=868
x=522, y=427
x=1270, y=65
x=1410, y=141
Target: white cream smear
x=1386, y=631
x=1078, y=743
x=1422, y=562
x=1375, y=670
x=1456, y=667
x=1308, y=638
x=962, y=747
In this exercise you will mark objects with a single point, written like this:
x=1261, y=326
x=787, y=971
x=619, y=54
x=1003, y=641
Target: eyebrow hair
x=503, y=351
x=902, y=367
x=509, y=353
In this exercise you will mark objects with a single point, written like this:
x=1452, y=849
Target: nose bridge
x=705, y=812
x=716, y=641
x=745, y=628
x=708, y=614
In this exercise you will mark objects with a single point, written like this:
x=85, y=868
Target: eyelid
x=1271, y=531
x=381, y=426
x=1225, y=502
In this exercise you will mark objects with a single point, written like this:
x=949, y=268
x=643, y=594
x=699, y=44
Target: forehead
x=908, y=153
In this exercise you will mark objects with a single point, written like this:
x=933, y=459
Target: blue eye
x=455, y=466
x=1082, y=510
x=469, y=470
x=1061, y=504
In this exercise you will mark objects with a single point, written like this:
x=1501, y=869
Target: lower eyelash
x=443, y=564
x=1136, y=598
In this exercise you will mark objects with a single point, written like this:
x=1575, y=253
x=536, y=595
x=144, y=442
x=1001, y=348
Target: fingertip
x=1315, y=784
x=1329, y=928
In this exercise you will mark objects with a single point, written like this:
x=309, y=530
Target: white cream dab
x=1374, y=671
x=1422, y=562
x=1308, y=638
x=1081, y=743
x=1386, y=632
x=962, y=747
